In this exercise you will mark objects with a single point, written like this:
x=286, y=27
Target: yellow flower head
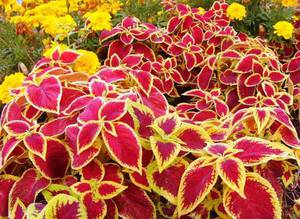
x=289, y=3
x=284, y=29
x=10, y=82
x=201, y=10
x=58, y=26
x=236, y=11
x=88, y=62
x=98, y=20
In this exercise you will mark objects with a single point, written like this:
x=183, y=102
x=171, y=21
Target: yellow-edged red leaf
x=164, y=151
x=233, y=173
x=64, y=206
x=135, y=203
x=37, y=144
x=166, y=183
x=124, y=147
x=260, y=200
x=110, y=189
x=27, y=188
x=140, y=180
x=254, y=151
x=96, y=208
x=6, y=183
x=193, y=138
x=196, y=183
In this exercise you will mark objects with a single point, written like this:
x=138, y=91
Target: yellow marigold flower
x=58, y=26
x=201, y=10
x=236, y=11
x=50, y=49
x=98, y=20
x=289, y=3
x=88, y=62
x=10, y=82
x=284, y=29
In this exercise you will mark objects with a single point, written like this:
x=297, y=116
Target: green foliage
x=261, y=16
x=145, y=10
x=13, y=50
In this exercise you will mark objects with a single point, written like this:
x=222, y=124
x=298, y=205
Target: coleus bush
x=192, y=121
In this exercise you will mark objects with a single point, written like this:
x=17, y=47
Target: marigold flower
x=289, y=3
x=98, y=20
x=201, y=10
x=284, y=29
x=58, y=26
x=88, y=62
x=236, y=11
x=10, y=82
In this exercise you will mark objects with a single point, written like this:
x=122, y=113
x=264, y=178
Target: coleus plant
x=184, y=122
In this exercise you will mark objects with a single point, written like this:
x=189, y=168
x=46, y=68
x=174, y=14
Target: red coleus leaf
x=57, y=127
x=18, y=211
x=228, y=77
x=91, y=111
x=190, y=60
x=165, y=152
x=276, y=76
x=155, y=101
x=10, y=144
x=221, y=107
x=37, y=144
x=266, y=206
x=98, y=87
x=124, y=146
x=217, y=149
x=281, y=116
x=144, y=80
x=64, y=205
x=193, y=138
x=112, y=210
x=166, y=125
x=16, y=128
x=166, y=188
x=113, y=173
x=233, y=173
x=135, y=203
x=27, y=188
x=81, y=187
x=95, y=208
x=79, y=160
x=94, y=170
x=46, y=96
x=294, y=64
x=245, y=64
x=143, y=118
x=289, y=137
x=173, y=23
x=56, y=161
x=204, y=77
x=87, y=135
x=255, y=151
x=68, y=96
x=140, y=180
x=78, y=104
x=110, y=189
x=113, y=110
x=196, y=183
x=69, y=56
x=6, y=183
x=253, y=80
x=132, y=60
